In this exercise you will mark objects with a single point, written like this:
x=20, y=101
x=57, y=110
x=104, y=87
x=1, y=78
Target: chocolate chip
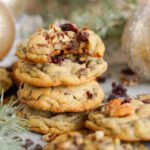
x=38, y=147
x=69, y=27
x=89, y=94
x=81, y=72
x=28, y=143
x=57, y=59
x=82, y=36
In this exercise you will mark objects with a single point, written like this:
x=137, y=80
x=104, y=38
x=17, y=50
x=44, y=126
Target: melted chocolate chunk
x=89, y=94
x=82, y=36
x=68, y=27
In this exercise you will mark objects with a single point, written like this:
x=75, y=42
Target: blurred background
x=108, y=18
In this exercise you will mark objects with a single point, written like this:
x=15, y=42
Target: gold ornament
x=16, y=6
x=7, y=30
x=136, y=42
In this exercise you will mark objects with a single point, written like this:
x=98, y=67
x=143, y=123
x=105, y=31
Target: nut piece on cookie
x=116, y=108
x=64, y=39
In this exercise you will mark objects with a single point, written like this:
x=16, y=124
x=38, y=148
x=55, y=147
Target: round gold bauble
x=7, y=30
x=136, y=42
x=16, y=6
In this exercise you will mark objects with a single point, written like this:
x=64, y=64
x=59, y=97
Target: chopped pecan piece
x=116, y=108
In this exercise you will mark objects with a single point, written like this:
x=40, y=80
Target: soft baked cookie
x=44, y=44
x=94, y=141
x=48, y=123
x=121, y=119
x=5, y=80
x=62, y=98
x=69, y=71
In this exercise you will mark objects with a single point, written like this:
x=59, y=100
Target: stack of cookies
x=58, y=68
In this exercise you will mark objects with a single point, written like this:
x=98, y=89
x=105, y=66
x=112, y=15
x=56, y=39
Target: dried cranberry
x=101, y=79
x=57, y=59
x=117, y=91
x=127, y=100
x=112, y=96
x=89, y=94
x=82, y=36
x=69, y=27
x=45, y=34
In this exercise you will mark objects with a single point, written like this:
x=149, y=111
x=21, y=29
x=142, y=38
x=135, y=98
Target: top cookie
x=121, y=119
x=94, y=141
x=44, y=44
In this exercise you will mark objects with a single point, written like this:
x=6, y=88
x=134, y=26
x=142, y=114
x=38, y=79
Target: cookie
x=128, y=121
x=48, y=123
x=62, y=98
x=94, y=141
x=5, y=80
x=65, y=72
x=44, y=44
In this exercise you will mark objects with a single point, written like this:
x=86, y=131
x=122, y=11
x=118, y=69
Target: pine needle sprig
x=10, y=126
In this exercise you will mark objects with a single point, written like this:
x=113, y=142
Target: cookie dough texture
x=44, y=44
x=45, y=122
x=5, y=80
x=77, y=141
x=66, y=73
x=62, y=98
x=133, y=127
